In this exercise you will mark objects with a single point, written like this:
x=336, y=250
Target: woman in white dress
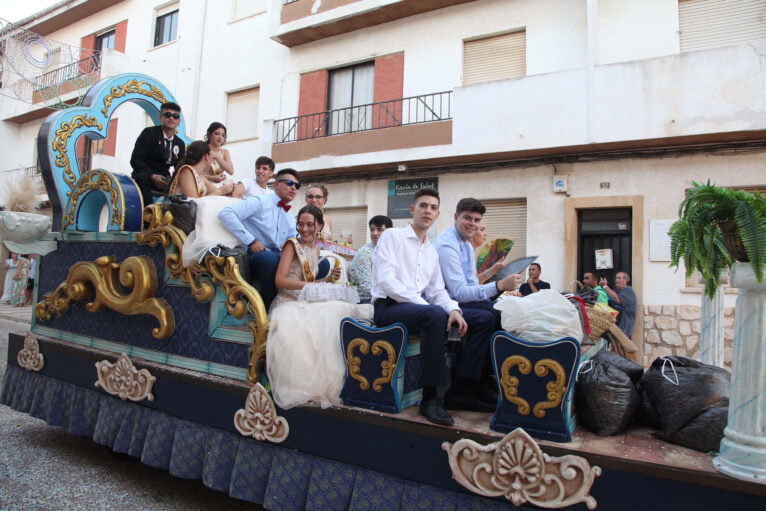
x=304, y=360
x=10, y=266
x=220, y=163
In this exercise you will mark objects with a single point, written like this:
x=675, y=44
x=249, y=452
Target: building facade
x=580, y=123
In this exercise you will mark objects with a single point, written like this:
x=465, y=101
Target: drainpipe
x=592, y=16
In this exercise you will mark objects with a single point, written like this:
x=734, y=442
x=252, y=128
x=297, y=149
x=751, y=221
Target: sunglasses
x=168, y=115
x=290, y=182
x=315, y=197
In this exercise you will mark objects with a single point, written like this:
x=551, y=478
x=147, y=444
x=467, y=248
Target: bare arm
x=281, y=279
x=187, y=183
x=239, y=190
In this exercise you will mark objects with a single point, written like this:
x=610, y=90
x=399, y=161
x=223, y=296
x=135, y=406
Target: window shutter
x=706, y=24
x=508, y=219
x=242, y=114
x=352, y=219
x=495, y=58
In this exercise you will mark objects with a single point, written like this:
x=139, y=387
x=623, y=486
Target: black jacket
x=149, y=152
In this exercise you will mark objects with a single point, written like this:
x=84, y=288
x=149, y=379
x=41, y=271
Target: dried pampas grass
x=21, y=194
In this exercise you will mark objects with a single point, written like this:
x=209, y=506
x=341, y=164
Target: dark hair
x=472, y=205
x=431, y=192
x=170, y=106
x=380, y=221
x=214, y=126
x=194, y=153
x=539, y=268
x=283, y=172
x=313, y=211
x=321, y=187
x=265, y=160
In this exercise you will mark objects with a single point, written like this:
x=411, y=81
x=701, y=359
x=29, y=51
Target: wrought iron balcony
x=383, y=114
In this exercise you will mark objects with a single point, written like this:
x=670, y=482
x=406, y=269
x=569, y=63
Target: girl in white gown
x=304, y=360
x=10, y=265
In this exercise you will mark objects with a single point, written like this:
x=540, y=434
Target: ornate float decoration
x=106, y=278
x=259, y=418
x=30, y=357
x=517, y=469
x=123, y=380
x=387, y=366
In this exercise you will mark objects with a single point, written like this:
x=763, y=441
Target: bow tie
x=282, y=204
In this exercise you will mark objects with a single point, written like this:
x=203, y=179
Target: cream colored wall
x=635, y=29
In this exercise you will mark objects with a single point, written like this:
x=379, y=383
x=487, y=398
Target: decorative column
x=711, y=331
x=743, y=448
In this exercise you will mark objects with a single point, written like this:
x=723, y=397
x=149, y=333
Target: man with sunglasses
x=157, y=149
x=262, y=225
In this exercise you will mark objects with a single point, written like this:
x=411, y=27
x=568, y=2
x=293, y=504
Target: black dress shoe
x=432, y=409
x=462, y=401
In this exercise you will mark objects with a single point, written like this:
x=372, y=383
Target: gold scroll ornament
x=510, y=384
x=104, y=277
x=355, y=363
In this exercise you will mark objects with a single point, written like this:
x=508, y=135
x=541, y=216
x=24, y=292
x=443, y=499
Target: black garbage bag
x=627, y=366
x=647, y=413
x=184, y=211
x=605, y=398
x=681, y=388
x=705, y=431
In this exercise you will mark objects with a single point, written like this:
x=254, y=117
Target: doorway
x=605, y=228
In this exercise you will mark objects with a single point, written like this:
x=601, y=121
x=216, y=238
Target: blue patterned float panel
x=535, y=381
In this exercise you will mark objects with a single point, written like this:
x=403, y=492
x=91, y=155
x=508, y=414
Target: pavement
x=48, y=469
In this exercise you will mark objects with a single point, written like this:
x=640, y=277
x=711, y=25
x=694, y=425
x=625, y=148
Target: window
x=242, y=114
x=706, y=24
x=507, y=218
x=349, y=221
x=105, y=41
x=350, y=98
x=499, y=57
x=166, y=28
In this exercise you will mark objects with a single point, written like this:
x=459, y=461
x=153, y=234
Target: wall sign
x=400, y=192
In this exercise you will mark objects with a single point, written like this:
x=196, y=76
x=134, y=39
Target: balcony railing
x=69, y=72
x=384, y=114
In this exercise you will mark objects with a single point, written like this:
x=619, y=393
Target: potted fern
x=717, y=227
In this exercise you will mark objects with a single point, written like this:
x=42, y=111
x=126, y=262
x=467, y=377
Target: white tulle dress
x=304, y=360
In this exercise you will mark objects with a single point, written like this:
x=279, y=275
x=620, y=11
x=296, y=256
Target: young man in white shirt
x=408, y=287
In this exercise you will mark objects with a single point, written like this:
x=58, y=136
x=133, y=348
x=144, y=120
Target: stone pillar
x=743, y=448
x=711, y=332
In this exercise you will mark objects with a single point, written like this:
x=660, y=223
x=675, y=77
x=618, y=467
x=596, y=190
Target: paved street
x=46, y=468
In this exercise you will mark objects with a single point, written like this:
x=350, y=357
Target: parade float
x=165, y=362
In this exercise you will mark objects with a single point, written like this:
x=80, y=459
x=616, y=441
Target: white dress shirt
x=406, y=270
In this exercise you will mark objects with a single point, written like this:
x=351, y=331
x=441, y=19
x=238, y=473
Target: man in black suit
x=157, y=149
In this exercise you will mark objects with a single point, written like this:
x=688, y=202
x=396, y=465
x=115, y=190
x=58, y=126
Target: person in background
x=316, y=195
x=19, y=292
x=220, y=163
x=250, y=187
x=189, y=177
x=157, y=149
x=360, y=269
x=408, y=287
x=479, y=236
x=624, y=300
x=10, y=266
x=478, y=239
x=533, y=283
x=590, y=280
x=262, y=224
x=31, y=278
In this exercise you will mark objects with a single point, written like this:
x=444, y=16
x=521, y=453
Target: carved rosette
x=123, y=380
x=517, y=469
x=202, y=278
x=259, y=418
x=30, y=357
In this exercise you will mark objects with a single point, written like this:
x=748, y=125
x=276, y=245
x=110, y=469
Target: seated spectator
x=480, y=236
x=624, y=300
x=360, y=269
x=157, y=149
x=220, y=163
x=262, y=224
x=533, y=283
x=304, y=359
x=188, y=178
x=264, y=170
x=590, y=280
x=316, y=195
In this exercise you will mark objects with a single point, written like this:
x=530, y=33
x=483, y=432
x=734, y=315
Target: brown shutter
x=708, y=24
x=495, y=58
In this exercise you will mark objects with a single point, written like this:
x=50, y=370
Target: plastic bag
x=681, y=388
x=605, y=398
x=627, y=366
x=705, y=431
x=540, y=317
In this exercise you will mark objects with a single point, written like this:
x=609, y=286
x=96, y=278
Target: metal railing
x=384, y=114
x=70, y=72
x=285, y=2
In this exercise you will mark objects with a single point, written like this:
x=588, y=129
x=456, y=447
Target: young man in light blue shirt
x=458, y=266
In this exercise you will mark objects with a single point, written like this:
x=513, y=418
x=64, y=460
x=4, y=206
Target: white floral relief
x=30, y=357
x=517, y=469
x=259, y=418
x=123, y=380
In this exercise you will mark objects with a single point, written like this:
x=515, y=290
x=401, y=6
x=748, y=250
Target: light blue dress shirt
x=458, y=266
x=259, y=218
